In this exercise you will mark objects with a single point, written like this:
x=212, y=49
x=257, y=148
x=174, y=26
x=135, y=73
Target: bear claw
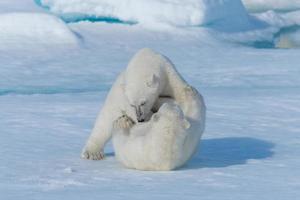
x=92, y=155
x=124, y=122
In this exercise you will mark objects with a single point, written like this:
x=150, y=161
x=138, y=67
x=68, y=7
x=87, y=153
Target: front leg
x=92, y=153
x=101, y=133
x=102, y=130
x=93, y=149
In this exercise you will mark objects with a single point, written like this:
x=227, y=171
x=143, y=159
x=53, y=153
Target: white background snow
x=54, y=77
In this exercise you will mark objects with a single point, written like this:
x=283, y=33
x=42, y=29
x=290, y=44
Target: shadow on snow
x=224, y=152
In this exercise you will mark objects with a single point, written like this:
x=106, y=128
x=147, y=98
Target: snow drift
x=147, y=13
x=229, y=19
x=34, y=28
x=287, y=25
x=263, y=5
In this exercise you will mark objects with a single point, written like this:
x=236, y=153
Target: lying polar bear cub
x=153, y=145
x=162, y=143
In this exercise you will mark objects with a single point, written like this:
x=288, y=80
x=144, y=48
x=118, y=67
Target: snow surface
x=50, y=95
x=18, y=6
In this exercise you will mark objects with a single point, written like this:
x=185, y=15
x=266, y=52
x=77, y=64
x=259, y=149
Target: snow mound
x=288, y=26
x=151, y=13
x=268, y=29
x=281, y=20
x=289, y=40
x=23, y=28
x=263, y=5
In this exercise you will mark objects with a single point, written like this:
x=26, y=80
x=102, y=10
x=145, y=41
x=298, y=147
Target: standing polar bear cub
x=149, y=84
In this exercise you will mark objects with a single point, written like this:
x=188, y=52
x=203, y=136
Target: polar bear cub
x=165, y=142
x=157, y=144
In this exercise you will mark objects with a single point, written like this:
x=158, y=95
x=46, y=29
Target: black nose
x=141, y=120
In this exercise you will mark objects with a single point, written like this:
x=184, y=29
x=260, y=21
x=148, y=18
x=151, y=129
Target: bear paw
x=86, y=154
x=124, y=122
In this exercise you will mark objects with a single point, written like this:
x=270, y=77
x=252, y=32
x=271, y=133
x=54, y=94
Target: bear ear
x=186, y=124
x=153, y=82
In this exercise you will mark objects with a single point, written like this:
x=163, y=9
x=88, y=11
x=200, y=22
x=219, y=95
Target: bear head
x=142, y=92
x=145, y=79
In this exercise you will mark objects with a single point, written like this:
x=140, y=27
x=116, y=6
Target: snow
x=151, y=13
x=34, y=28
x=226, y=16
x=290, y=39
x=263, y=5
x=50, y=95
x=288, y=25
x=18, y=6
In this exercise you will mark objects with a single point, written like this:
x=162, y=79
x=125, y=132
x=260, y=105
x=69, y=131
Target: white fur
x=116, y=104
x=165, y=142
x=148, y=81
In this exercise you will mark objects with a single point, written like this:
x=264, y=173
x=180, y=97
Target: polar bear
x=165, y=142
x=153, y=145
x=136, y=93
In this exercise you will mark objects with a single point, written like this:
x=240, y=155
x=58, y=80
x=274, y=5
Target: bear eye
x=143, y=103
